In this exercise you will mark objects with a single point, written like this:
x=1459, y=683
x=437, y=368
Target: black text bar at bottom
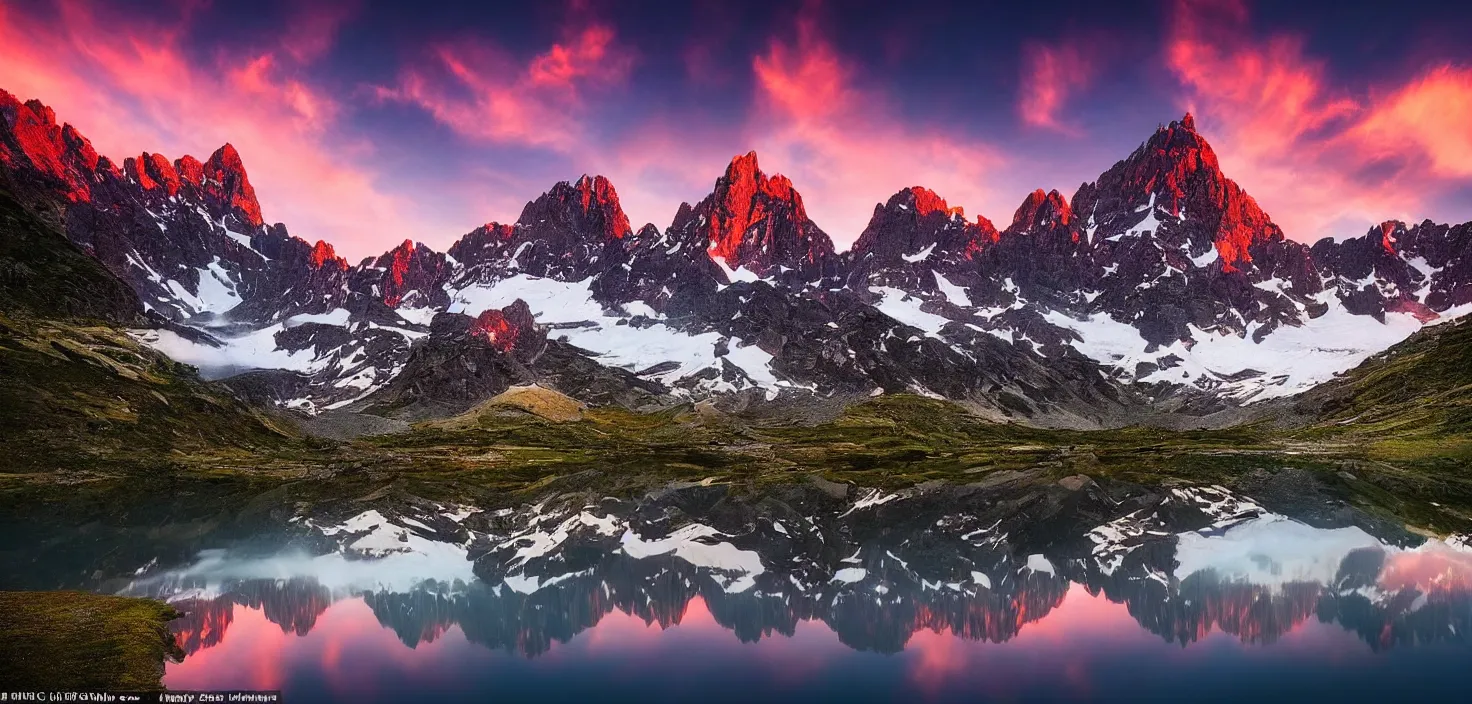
x=238, y=696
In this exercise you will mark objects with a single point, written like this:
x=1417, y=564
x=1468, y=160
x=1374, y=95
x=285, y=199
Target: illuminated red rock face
x=225, y=182
x=59, y=152
x=323, y=254
x=928, y=203
x=1041, y=211
x=153, y=172
x=1387, y=235
x=758, y=222
x=596, y=195
x=503, y=329
x=398, y=269
x=493, y=327
x=190, y=170
x=743, y=197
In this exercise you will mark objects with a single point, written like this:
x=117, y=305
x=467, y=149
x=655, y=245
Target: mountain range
x=1159, y=287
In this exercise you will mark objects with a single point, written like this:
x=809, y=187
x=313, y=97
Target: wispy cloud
x=481, y=92
x=845, y=145
x=1050, y=76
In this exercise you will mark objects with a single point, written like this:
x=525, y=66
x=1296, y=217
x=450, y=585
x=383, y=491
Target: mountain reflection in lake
x=1191, y=594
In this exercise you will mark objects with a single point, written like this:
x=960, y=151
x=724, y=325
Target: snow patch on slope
x=584, y=323
x=905, y=308
x=1291, y=359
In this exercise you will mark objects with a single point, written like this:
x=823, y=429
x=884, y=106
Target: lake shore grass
x=69, y=640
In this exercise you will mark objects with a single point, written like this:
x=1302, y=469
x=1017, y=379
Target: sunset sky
x=365, y=123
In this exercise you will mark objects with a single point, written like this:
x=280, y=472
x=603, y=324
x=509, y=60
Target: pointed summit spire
x=596, y=193
x=1041, y=211
x=227, y=184
x=918, y=221
x=758, y=222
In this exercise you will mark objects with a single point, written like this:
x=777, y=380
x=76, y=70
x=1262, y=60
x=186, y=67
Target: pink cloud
x=1431, y=114
x=1050, y=75
x=481, y=92
x=845, y=146
x=1321, y=160
x=128, y=85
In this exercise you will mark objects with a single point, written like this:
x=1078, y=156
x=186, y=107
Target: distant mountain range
x=1161, y=286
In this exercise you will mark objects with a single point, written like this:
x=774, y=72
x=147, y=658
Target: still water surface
x=599, y=604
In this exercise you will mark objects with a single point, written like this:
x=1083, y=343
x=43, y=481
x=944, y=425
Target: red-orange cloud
x=481, y=92
x=1321, y=160
x=128, y=85
x=845, y=146
x=1431, y=114
x=1050, y=75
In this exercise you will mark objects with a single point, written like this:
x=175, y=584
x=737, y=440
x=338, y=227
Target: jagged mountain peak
x=410, y=271
x=152, y=172
x=1041, y=211
x=59, y=152
x=1160, y=258
x=1388, y=234
x=758, y=222
x=742, y=192
x=227, y=184
x=405, y=248
x=587, y=206
x=323, y=254
x=569, y=232
x=190, y=169
x=598, y=192
x=1174, y=182
x=926, y=202
x=916, y=221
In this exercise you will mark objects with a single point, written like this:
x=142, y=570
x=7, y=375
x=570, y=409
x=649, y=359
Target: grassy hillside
x=889, y=441
x=1411, y=402
x=75, y=396
x=75, y=391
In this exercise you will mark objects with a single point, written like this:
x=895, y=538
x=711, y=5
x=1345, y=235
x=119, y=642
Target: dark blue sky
x=368, y=122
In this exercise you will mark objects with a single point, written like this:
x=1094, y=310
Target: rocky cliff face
x=912, y=235
x=1161, y=278
x=756, y=222
x=1186, y=247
